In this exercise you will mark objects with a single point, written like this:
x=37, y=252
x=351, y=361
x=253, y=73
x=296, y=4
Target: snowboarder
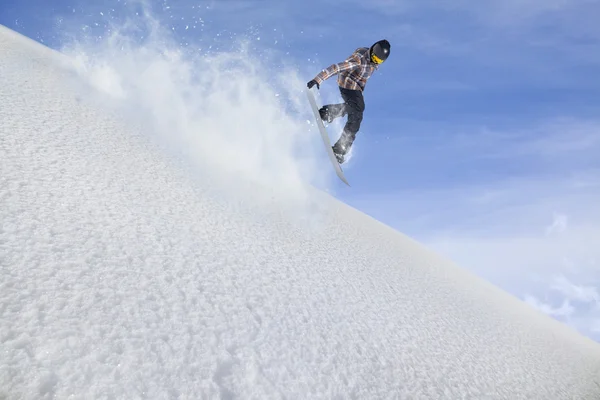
x=353, y=74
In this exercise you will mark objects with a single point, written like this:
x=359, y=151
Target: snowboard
x=325, y=137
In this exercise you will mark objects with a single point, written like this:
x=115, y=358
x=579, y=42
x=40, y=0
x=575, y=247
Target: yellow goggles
x=376, y=59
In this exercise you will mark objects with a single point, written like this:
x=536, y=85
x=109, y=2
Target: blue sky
x=481, y=132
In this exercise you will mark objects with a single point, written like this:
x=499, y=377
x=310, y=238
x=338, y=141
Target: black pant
x=353, y=106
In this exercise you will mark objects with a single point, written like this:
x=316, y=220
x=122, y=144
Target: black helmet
x=380, y=51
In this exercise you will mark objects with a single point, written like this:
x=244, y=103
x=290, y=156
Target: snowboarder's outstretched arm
x=351, y=62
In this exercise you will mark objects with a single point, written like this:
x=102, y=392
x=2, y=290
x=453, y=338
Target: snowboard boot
x=338, y=156
x=340, y=149
x=325, y=115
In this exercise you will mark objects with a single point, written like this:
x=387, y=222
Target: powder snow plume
x=239, y=110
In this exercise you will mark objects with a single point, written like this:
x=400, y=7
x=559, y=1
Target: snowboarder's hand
x=313, y=83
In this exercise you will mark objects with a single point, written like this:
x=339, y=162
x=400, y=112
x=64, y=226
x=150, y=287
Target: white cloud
x=574, y=292
x=559, y=224
x=564, y=310
x=580, y=306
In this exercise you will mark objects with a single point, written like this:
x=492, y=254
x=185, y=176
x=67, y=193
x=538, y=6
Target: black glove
x=313, y=83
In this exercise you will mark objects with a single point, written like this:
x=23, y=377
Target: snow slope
x=126, y=275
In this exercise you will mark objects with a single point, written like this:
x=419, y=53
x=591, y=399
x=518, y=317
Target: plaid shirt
x=353, y=72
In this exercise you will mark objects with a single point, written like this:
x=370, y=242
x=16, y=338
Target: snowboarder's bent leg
x=355, y=106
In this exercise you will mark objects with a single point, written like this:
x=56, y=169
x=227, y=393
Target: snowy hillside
x=125, y=274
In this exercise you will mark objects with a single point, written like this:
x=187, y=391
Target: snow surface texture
x=126, y=275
